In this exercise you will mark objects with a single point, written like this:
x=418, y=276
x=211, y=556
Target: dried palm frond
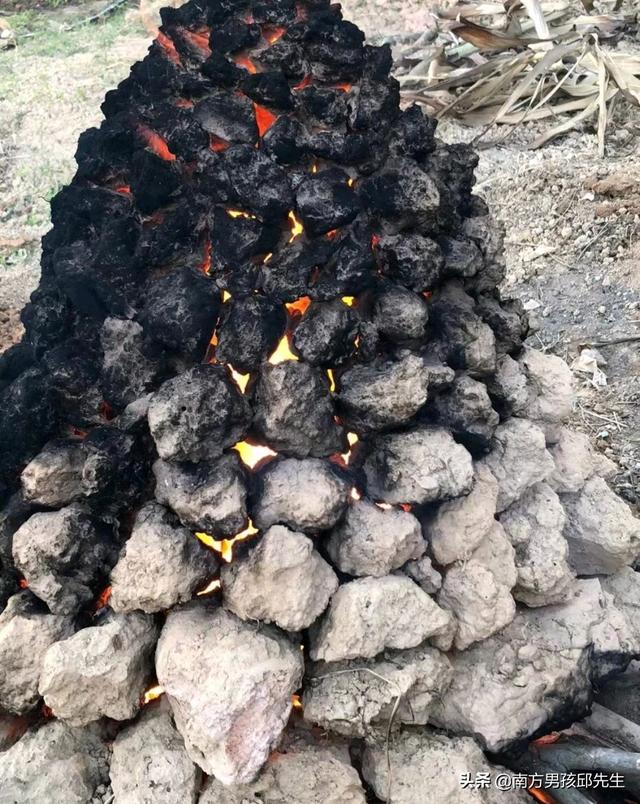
x=542, y=62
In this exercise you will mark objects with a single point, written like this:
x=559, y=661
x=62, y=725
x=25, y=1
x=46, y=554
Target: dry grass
x=538, y=61
x=51, y=87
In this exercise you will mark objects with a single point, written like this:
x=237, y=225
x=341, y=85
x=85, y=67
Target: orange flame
x=299, y=306
x=283, y=351
x=184, y=103
x=225, y=546
x=306, y=81
x=210, y=587
x=344, y=459
x=264, y=118
x=296, y=227
x=205, y=265
x=343, y=87
x=152, y=693
x=239, y=213
x=169, y=48
x=156, y=143
x=243, y=61
x=103, y=598
x=241, y=380
x=296, y=703
x=253, y=454
x=272, y=33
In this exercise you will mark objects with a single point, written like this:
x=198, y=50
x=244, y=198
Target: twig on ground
x=611, y=342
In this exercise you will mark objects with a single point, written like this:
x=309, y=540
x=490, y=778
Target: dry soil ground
x=573, y=244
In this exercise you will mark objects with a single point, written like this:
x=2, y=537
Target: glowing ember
x=241, y=380
x=217, y=144
x=169, y=48
x=332, y=380
x=225, y=296
x=296, y=227
x=252, y=454
x=184, y=103
x=355, y=494
x=296, y=703
x=272, y=33
x=283, y=352
x=124, y=189
x=205, y=265
x=211, y=587
x=348, y=300
x=343, y=87
x=243, y=61
x=199, y=39
x=540, y=795
x=238, y=213
x=351, y=182
x=405, y=507
x=375, y=239
x=299, y=306
x=427, y=294
x=152, y=694
x=103, y=598
x=332, y=234
x=264, y=118
x=225, y=546
x=306, y=81
x=23, y=583
x=106, y=411
x=314, y=167
x=548, y=739
x=156, y=143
